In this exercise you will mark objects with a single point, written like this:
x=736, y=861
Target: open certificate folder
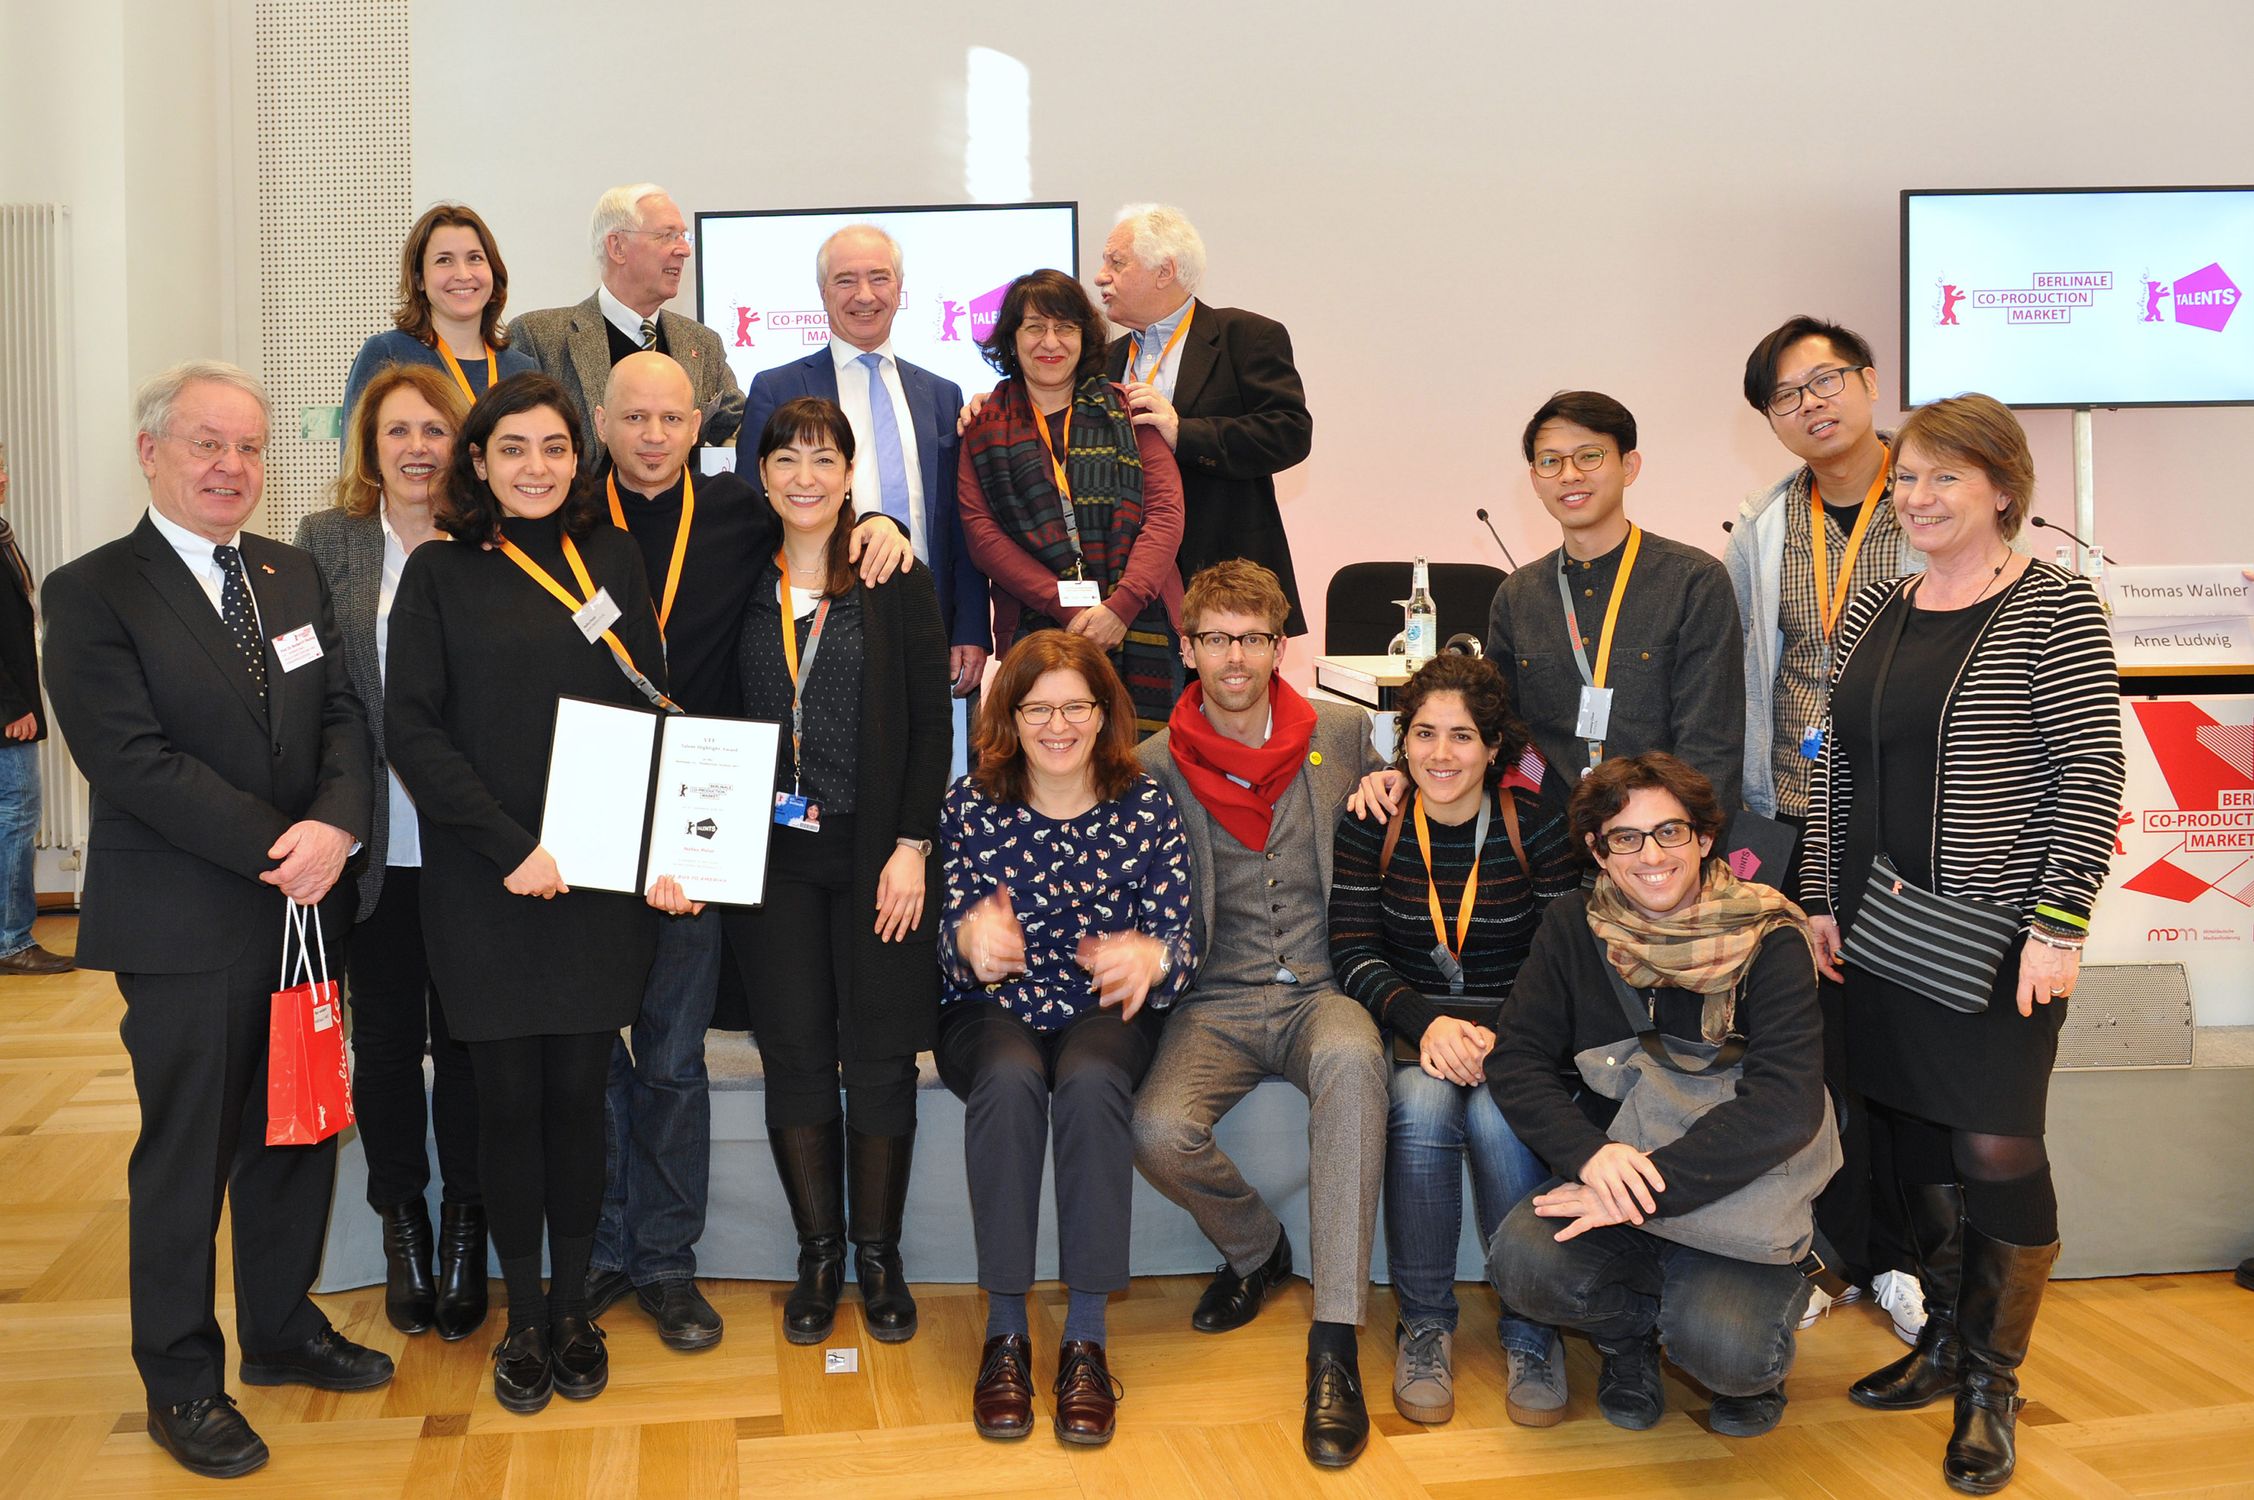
x=634, y=794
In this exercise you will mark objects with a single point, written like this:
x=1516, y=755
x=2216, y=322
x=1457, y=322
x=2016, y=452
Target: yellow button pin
x=1314, y=757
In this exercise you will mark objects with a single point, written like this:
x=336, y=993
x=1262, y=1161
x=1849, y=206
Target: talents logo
x=982, y=311
x=2204, y=299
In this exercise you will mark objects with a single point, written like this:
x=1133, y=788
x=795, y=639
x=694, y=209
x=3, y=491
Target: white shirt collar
x=622, y=317
x=194, y=549
x=846, y=357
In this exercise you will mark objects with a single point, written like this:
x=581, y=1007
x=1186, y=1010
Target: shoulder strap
x=1392, y=840
x=1507, y=805
x=1639, y=1020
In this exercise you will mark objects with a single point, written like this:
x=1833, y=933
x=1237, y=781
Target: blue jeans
x=1431, y=1128
x=1728, y=1324
x=19, y=829
x=658, y=1113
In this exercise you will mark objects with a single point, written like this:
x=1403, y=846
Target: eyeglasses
x=209, y=449
x=1672, y=834
x=1785, y=400
x=1588, y=460
x=1078, y=711
x=1041, y=328
x=665, y=237
x=1218, y=642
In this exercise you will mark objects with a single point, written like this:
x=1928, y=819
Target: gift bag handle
x=294, y=919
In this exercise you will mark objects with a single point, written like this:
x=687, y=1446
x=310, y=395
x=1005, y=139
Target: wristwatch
x=921, y=846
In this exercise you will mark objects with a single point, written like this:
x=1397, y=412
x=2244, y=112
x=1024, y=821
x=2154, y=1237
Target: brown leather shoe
x=1087, y=1395
x=36, y=960
x=1001, y=1404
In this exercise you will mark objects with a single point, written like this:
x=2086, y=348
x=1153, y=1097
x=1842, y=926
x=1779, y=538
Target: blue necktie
x=892, y=469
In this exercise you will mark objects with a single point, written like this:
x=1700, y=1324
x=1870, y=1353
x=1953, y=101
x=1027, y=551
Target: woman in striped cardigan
x=2000, y=764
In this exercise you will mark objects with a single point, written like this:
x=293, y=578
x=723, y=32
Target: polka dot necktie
x=242, y=620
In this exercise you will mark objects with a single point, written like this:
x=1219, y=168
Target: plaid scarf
x=1704, y=947
x=1105, y=467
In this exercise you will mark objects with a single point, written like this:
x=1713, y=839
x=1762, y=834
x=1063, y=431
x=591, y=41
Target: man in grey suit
x=1258, y=775
x=641, y=245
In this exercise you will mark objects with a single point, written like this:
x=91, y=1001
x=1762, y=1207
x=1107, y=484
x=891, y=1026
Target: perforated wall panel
x=334, y=202
x=2128, y=1016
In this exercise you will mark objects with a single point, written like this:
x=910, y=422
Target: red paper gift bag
x=308, y=1084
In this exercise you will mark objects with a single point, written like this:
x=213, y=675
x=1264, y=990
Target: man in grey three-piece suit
x=642, y=245
x=1258, y=775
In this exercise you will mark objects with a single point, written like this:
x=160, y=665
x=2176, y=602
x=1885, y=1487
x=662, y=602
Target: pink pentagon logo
x=2206, y=298
x=985, y=312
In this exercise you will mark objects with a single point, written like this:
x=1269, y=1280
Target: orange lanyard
x=680, y=538
x=1150, y=376
x=1830, y=600
x=790, y=655
x=1061, y=446
x=1432, y=888
x=541, y=576
x=491, y=369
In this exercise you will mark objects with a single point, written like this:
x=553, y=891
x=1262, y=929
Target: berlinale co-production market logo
x=2204, y=298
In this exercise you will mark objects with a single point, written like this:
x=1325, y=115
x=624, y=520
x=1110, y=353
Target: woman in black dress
x=1992, y=773
x=842, y=958
x=538, y=978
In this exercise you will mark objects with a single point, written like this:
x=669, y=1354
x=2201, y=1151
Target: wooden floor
x=2139, y=1387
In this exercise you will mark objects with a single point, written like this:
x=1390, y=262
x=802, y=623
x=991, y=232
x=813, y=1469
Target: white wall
x=1456, y=207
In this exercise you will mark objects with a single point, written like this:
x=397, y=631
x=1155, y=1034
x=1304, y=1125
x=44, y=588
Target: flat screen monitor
x=755, y=279
x=2079, y=296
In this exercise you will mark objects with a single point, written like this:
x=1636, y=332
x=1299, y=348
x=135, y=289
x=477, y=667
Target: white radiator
x=39, y=423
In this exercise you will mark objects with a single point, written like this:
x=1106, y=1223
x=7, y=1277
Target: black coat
x=479, y=655
x=889, y=1005
x=193, y=778
x=19, y=653
x=1244, y=420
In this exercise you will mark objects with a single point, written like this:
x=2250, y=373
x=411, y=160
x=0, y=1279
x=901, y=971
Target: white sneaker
x=1903, y=1300
x=1819, y=1303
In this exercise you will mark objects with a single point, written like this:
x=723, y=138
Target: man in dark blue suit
x=903, y=420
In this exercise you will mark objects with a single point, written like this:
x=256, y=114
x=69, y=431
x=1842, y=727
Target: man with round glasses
x=1620, y=641
x=1258, y=774
x=1798, y=551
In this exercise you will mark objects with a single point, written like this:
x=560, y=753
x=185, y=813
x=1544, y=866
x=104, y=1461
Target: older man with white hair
x=641, y=246
x=1219, y=385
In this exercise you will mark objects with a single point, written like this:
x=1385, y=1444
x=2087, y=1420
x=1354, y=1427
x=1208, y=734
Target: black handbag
x=1946, y=948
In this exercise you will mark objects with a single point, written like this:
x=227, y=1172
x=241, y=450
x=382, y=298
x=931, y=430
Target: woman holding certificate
x=539, y=597
x=1070, y=508
x=844, y=947
x=452, y=289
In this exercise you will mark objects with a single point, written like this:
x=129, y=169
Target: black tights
x=540, y=1160
x=2008, y=1192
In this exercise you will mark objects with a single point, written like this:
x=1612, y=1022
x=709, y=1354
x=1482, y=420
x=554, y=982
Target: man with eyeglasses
x=642, y=246
x=1620, y=641
x=197, y=675
x=1797, y=553
x=1258, y=774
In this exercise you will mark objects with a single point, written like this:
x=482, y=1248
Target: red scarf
x=1207, y=759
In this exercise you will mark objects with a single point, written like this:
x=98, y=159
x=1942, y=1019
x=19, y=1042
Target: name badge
x=294, y=648
x=1812, y=742
x=1079, y=593
x=1451, y=968
x=596, y=615
x=1595, y=717
x=794, y=811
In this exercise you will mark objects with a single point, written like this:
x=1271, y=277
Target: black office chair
x=1360, y=617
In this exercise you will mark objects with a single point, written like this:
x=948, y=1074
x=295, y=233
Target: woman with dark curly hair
x=1070, y=508
x=1428, y=931
x=538, y=978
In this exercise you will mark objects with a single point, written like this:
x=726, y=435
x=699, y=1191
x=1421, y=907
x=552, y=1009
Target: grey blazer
x=570, y=346
x=1340, y=754
x=348, y=550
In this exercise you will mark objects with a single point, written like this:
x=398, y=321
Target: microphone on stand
x=2054, y=526
x=1498, y=536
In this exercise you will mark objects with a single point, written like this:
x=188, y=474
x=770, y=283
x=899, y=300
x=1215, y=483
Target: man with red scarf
x=1258, y=774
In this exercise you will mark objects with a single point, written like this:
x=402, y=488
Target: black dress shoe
x=1231, y=1301
x=37, y=960
x=579, y=1360
x=208, y=1437
x=462, y=1290
x=328, y=1362
x=604, y=1288
x=523, y=1378
x=410, y=1294
x=685, y=1321
x=1338, y=1424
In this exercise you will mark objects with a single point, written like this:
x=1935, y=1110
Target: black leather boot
x=811, y=1161
x=410, y=1298
x=1934, y=1366
x=462, y=1292
x=2003, y=1287
x=876, y=1179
